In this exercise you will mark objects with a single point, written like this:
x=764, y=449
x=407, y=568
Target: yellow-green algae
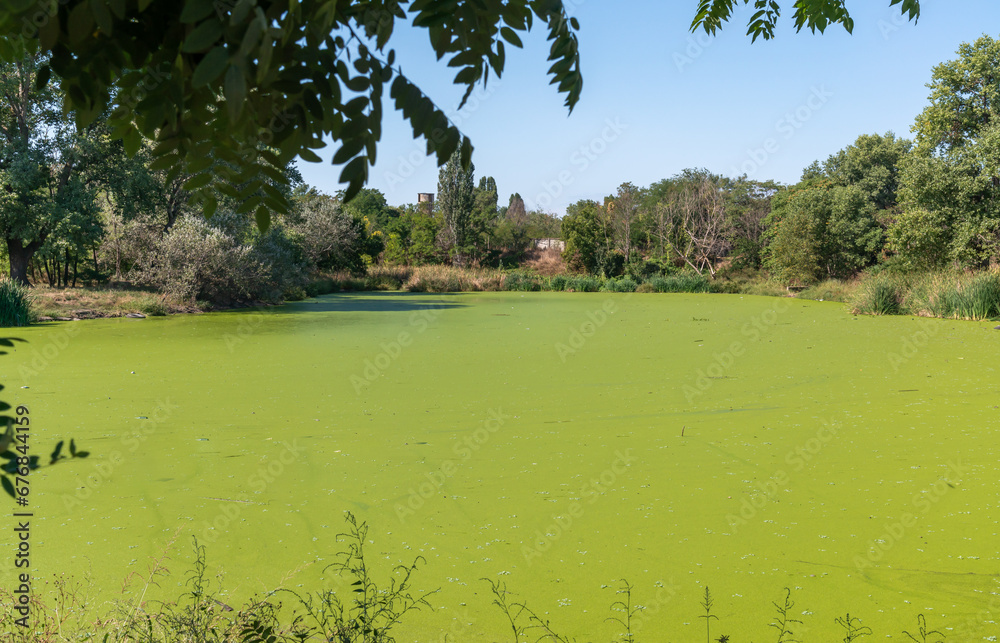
x=810, y=436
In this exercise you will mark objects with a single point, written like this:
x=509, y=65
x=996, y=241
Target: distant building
x=426, y=201
x=545, y=244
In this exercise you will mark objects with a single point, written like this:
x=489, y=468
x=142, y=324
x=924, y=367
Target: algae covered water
x=555, y=442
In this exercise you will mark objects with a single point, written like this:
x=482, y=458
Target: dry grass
x=103, y=302
x=548, y=262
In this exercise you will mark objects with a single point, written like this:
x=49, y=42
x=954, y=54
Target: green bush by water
x=680, y=283
x=880, y=295
x=15, y=304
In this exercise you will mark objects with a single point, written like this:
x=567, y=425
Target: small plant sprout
x=853, y=629
x=706, y=604
x=783, y=622
x=627, y=611
x=512, y=611
x=932, y=636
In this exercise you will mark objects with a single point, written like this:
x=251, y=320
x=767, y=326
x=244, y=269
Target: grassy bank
x=945, y=294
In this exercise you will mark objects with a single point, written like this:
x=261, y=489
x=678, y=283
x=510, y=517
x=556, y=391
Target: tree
x=816, y=15
x=209, y=80
x=484, y=214
x=584, y=232
x=624, y=210
x=952, y=180
x=49, y=170
x=456, y=199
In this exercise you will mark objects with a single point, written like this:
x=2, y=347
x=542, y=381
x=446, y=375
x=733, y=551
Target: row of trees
x=883, y=200
x=74, y=205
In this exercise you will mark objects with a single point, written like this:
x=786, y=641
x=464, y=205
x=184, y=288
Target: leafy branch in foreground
x=816, y=15
x=18, y=462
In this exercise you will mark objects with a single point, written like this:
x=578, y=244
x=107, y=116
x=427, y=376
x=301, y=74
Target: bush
x=521, y=282
x=980, y=298
x=880, y=295
x=621, y=284
x=197, y=260
x=15, y=304
x=684, y=282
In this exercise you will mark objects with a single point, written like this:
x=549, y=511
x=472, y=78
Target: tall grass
x=15, y=304
x=882, y=294
x=680, y=283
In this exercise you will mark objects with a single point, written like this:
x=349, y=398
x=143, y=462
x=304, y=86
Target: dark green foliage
x=684, y=282
x=814, y=15
x=15, y=304
x=620, y=284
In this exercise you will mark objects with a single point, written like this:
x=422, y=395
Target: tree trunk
x=65, y=280
x=20, y=255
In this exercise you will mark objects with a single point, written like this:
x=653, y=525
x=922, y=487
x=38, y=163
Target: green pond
x=555, y=442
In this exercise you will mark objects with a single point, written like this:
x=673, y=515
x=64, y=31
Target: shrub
x=15, y=303
x=979, y=298
x=521, y=282
x=621, y=284
x=684, y=282
x=880, y=295
x=197, y=260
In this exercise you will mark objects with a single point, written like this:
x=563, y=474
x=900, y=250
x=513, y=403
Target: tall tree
x=49, y=170
x=456, y=198
x=950, y=187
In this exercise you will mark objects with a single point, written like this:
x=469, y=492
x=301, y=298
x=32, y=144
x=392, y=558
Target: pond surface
x=556, y=442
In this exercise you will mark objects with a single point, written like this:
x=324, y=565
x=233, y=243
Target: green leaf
x=193, y=11
x=8, y=486
x=235, y=90
x=210, y=67
x=81, y=22
x=511, y=36
x=263, y=218
x=57, y=451
x=204, y=36
x=308, y=155
x=42, y=77
x=198, y=181
x=132, y=141
x=102, y=16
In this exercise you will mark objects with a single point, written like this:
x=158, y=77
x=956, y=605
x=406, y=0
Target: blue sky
x=658, y=99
